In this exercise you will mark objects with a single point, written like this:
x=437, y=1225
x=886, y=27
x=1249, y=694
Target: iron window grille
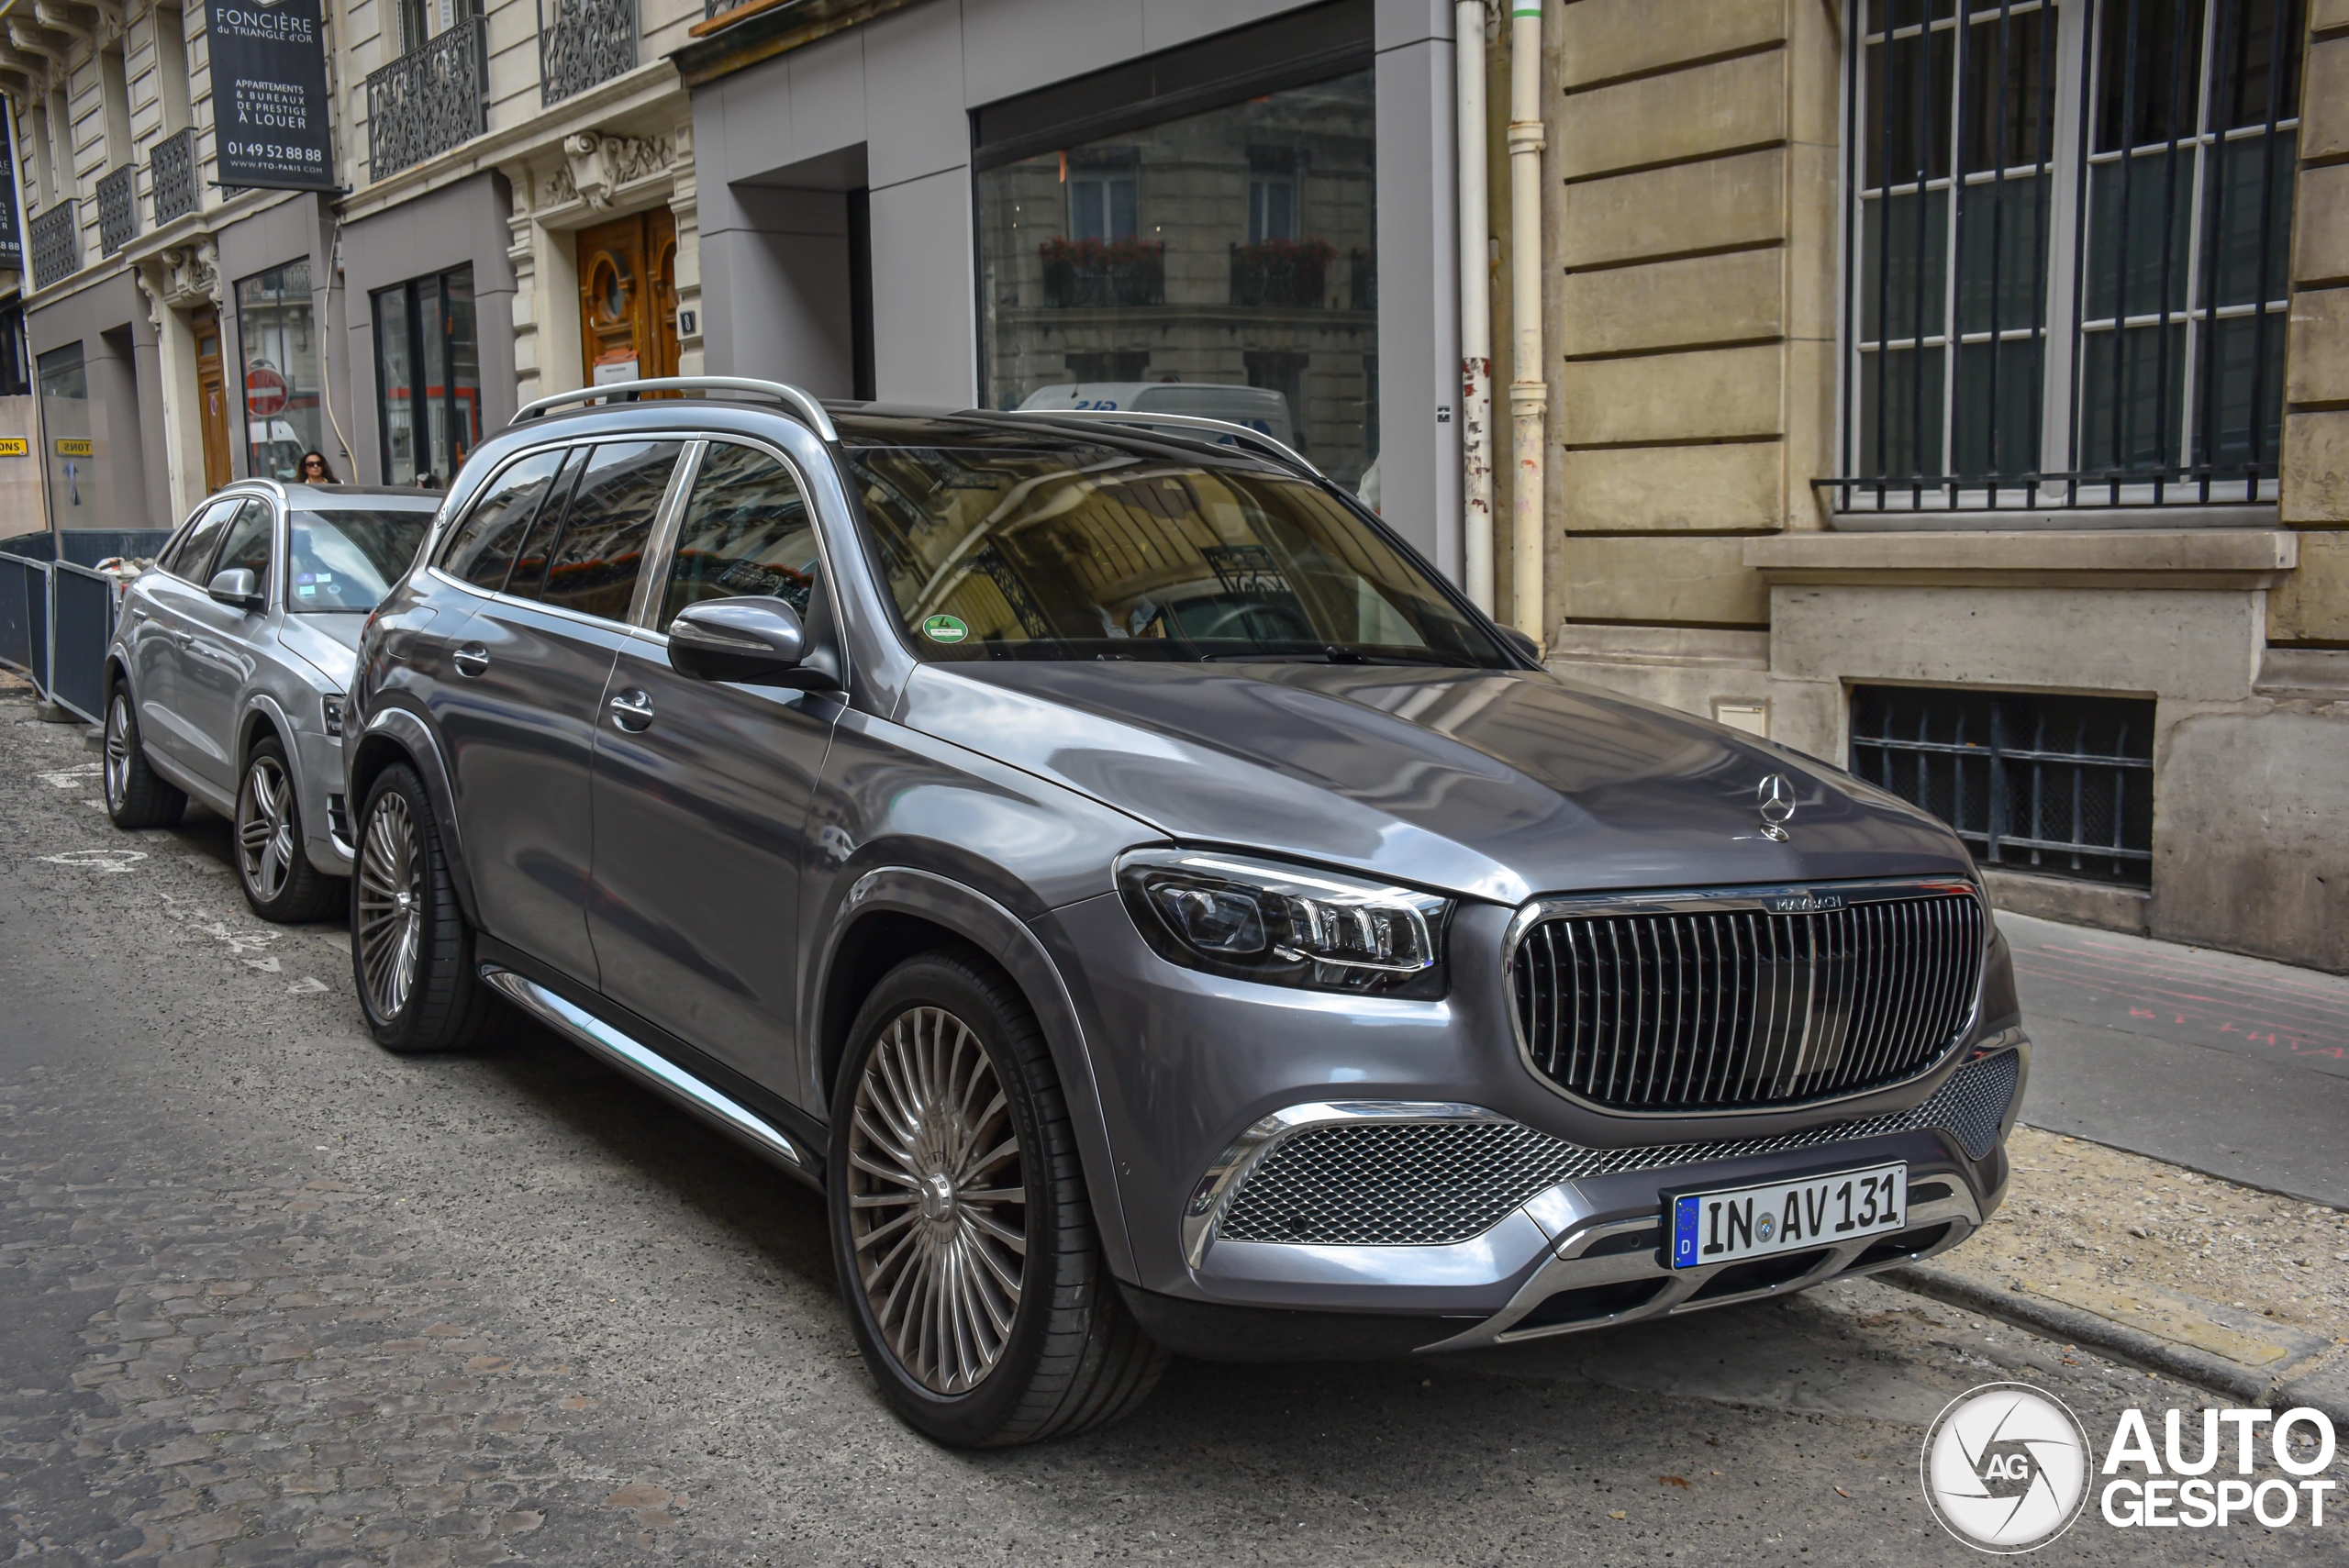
x=2064, y=268
x=588, y=42
x=117, y=210
x=57, y=245
x=429, y=100
x=2057, y=785
x=171, y=175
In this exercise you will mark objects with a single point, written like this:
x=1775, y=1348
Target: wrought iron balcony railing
x=429, y=100
x=171, y=171
x=57, y=245
x=118, y=209
x=588, y=41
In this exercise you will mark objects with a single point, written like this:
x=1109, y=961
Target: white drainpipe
x=1529, y=387
x=1476, y=303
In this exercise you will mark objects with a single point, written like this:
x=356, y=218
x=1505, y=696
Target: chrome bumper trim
x=1211, y=1199
x=1570, y=1268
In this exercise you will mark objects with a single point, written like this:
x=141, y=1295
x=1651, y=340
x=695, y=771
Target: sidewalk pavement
x=2155, y=1068
x=2231, y=1066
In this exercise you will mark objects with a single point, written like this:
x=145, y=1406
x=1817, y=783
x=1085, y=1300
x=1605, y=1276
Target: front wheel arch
x=892, y=913
x=395, y=736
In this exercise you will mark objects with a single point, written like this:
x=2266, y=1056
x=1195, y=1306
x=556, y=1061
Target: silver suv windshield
x=1088, y=551
x=344, y=562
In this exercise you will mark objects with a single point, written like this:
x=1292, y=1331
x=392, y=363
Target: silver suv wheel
x=391, y=890
x=118, y=764
x=938, y=1211
x=265, y=847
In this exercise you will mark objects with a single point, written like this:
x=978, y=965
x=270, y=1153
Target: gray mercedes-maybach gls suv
x=1157, y=911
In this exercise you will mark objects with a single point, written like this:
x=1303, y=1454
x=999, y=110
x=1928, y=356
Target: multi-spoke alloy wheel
x=118, y=764
x=273, y=861
x=387, y=925
x=136, y=795
x=411, y=951
x=961, y=1226
x=265, y=847
x=938, y=1211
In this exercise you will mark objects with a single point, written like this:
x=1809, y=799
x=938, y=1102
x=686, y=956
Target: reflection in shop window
x=428, y=378
x=273, y=325
x=1219, y=264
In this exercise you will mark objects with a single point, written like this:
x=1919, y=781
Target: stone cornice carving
x=191, y=274
x=597, y=167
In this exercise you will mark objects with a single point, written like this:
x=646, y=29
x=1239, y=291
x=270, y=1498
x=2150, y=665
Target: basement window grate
x=2055, y=785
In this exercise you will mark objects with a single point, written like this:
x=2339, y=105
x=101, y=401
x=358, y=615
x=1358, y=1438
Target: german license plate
x=1785, y=1217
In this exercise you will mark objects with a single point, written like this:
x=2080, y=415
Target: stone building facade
x=2118, y=656
x=514, y=208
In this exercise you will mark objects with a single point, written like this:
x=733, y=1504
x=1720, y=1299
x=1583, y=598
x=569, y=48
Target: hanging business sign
x=269, y=94
x=12, y=244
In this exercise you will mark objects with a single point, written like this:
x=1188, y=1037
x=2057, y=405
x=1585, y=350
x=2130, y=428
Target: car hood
x=328, y=642
x=1491, y=784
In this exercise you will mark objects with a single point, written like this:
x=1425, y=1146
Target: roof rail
x=798, y=402
x=1230, y=428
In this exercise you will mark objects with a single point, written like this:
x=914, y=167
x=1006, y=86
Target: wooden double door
x=627, y=297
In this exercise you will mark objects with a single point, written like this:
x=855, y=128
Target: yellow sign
x=67, y=447
x=15, y=446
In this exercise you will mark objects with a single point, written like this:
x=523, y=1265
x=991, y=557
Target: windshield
x=1093, y=552
x=347, y=561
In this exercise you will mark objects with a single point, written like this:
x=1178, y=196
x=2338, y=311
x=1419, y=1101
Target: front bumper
x=1581, y=1253
x=1440, y=1197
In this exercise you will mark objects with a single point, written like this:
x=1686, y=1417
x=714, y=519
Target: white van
x=1259, y=408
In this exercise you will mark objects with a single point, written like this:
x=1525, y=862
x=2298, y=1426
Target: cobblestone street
x=271, y=1295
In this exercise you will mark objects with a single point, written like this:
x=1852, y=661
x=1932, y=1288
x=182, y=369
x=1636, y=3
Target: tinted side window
x=530, y=560
x=482, y=551
x=195, y=551
x=607, y=526
x=746, y=531
x=246, y=545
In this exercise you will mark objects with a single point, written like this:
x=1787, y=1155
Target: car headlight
x=1285, y=925
x=330, y=714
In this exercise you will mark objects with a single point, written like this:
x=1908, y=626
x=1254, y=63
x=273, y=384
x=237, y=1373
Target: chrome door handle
x=473, y=659
x=632, y=711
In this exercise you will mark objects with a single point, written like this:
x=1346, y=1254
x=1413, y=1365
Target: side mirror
x=1523, y=643
x=237, y=586
x=754, y=640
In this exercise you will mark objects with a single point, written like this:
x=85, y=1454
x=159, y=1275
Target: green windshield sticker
x=944, y=629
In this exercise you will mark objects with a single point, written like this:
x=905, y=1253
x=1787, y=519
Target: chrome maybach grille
x=1771, y=1000
x=1434, y=1183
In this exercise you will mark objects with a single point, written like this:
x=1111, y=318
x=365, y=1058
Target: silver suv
x=1156, y=910
x=226, y=675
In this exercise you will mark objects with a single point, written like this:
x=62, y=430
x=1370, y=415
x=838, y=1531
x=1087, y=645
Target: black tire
x=442, y=1005
x=136, y=795
x=1071, y=1356
x=272, y=853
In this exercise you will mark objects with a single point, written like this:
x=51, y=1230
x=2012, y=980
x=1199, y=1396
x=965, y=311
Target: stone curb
x=2246, y=1386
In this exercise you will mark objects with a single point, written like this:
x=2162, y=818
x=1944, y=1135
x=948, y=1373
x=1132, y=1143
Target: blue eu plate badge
x=1683, y=1232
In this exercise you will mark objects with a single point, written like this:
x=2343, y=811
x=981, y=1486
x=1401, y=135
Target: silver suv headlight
x=1284, y=925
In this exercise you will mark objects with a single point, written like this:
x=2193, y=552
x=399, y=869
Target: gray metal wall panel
x=1418, y=299
x=904, y=85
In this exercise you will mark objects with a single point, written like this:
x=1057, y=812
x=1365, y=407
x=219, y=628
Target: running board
x=600, y=1039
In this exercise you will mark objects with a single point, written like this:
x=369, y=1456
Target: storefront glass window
x=1222, y=264
x=65, y=438
x=281, y=417
x=428, y=377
